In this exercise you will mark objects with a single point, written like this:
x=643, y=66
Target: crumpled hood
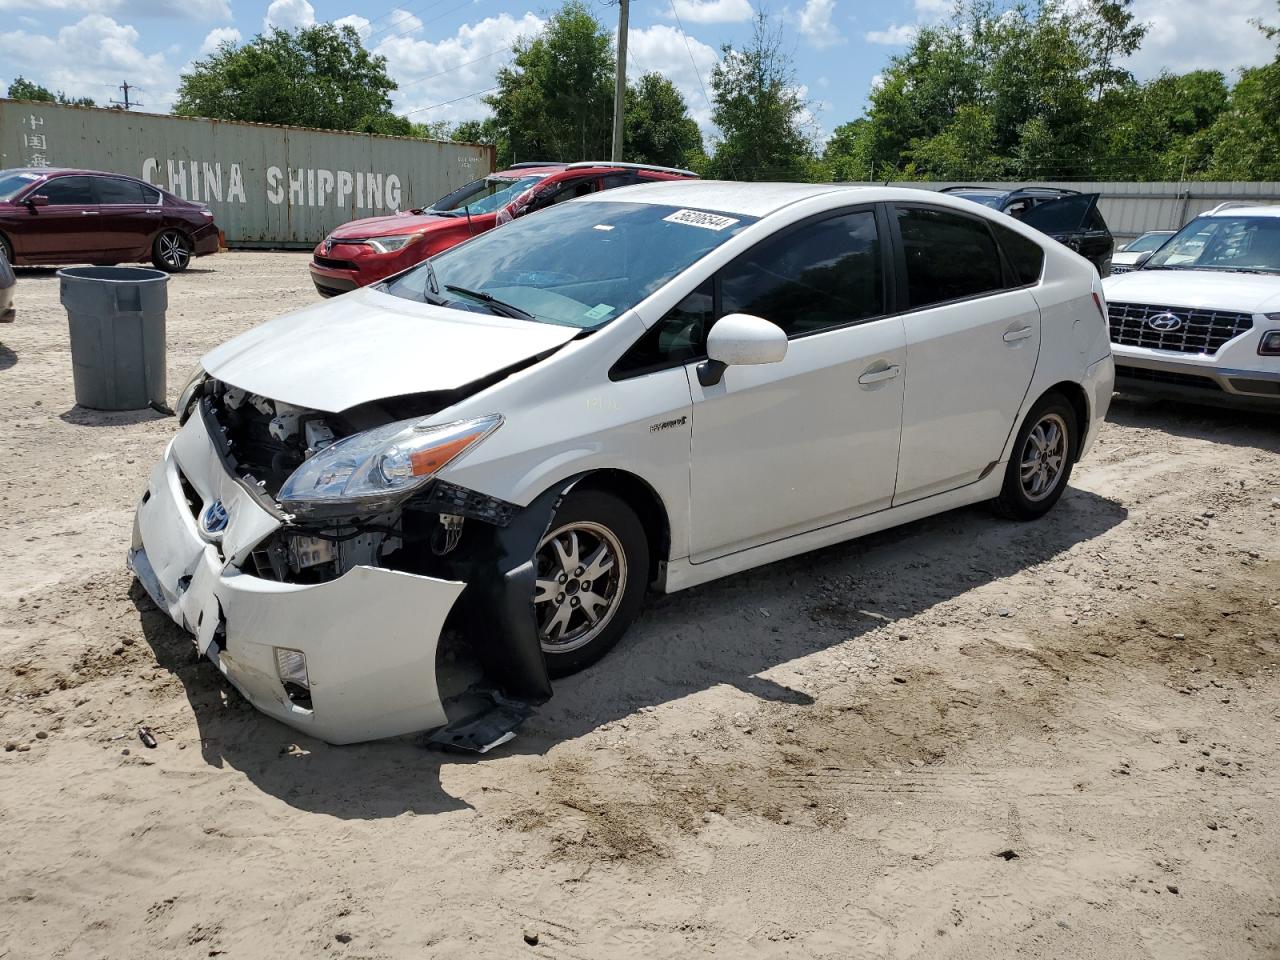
x=366, y=345
x=1198, y=289
x=389, y=226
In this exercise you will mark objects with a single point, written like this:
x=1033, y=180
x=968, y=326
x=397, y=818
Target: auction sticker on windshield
x=696, y=218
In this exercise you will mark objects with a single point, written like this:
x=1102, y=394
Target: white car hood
x=1198, y=289
x=367, y=345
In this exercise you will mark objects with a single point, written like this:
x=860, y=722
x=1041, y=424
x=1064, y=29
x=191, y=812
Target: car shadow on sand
x=1234, y=426
x=727, y=632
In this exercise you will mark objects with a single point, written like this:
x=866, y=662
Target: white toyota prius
x=496, y=453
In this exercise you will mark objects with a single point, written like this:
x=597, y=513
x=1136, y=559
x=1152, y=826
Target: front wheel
x=171, y=252
x=6, y=251
x=592, y=567
x=1040, y=465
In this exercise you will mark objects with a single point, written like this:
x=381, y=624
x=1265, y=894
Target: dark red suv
x=369, y=250
x=84, y=216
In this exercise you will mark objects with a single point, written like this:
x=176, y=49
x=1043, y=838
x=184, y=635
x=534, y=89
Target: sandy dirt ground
x=963, y=738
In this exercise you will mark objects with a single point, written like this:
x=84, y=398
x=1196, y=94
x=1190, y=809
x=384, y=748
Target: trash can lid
x=114, y=274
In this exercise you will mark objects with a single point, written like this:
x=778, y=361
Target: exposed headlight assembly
x=188, y=394
x=374, y=470
x=392, y=244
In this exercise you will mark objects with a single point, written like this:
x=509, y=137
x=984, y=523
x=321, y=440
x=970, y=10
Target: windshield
x=1148, y=241
x=580, y=264
x=484, y=196
x=1248, y=244
x=13, y=182
x=986, y=199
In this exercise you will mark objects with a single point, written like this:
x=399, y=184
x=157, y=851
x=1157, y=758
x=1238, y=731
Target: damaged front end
x=337, y=582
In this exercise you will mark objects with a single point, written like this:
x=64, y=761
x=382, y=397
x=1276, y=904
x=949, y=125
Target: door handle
x=88, y=213
x=880, y=376
x=152, y=211
x=1013, y=336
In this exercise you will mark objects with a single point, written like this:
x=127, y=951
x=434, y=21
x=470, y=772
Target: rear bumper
x=205, y=240
x=369, y=636
x=1099, y=385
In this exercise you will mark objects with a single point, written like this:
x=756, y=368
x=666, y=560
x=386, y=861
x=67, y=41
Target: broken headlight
x=374, y=470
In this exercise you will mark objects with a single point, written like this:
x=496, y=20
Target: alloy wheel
x=581, y=578
x=1044, y=457
x=173, y=251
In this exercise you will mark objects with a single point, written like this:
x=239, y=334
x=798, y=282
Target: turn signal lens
x=291, y=667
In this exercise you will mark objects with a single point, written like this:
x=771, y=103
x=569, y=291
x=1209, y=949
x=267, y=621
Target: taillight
x=208, y=214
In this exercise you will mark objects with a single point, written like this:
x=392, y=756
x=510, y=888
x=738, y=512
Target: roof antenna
x=466, y=207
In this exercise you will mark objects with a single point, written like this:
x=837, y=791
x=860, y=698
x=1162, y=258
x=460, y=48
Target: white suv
x=1200, y=319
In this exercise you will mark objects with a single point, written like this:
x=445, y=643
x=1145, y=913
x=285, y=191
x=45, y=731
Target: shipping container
x=267, y=185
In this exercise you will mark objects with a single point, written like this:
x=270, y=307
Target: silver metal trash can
x=116, y=316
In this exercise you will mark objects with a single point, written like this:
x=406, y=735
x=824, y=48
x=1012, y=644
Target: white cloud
x=433, y=72
x=289, y=15
x=712, y=11
x=397, y=23
x=88, y=58
x=203, y=10
x=360, y=24
x=816, y=26
x=1191, y=37
x=217, y=37
x=661, y=49
x=896, y=35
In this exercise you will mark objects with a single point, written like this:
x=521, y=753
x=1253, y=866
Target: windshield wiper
x=493, y=303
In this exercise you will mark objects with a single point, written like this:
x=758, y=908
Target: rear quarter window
x=1026, y=257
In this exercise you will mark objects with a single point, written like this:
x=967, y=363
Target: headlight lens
x=374, y=470
x=392, y=244
x=188, y=394
x=1269, y=345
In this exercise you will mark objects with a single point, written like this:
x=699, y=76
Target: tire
x=1040, y=464
x=171, y=251
x=587, y=521
x=6, y=250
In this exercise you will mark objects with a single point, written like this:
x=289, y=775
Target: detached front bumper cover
x=369, y=636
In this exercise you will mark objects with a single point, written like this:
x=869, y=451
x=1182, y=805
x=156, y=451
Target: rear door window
x=949, y=256
x=115, y=191
x=70, y=190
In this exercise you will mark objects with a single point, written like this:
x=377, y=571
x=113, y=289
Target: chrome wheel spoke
x=545, y=590
x=568, y=557
x=599, y=563
x=591, y=605
x=559, y=622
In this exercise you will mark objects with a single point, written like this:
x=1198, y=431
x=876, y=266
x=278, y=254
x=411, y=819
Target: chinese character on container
x=38, y=160
x=33, y=121
x=36, y=141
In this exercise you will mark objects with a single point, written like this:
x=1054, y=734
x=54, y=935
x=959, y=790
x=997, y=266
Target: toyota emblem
x=328, y=245
x=214, y=520
x=1164, y=322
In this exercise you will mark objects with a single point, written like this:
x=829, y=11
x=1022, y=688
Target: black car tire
x=1051, y=421
x=598, y=518
x=6, y=250
x=171, y=251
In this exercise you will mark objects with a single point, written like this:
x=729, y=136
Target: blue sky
x=442, y=52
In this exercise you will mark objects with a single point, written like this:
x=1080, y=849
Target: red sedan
x=366, y=251
x=85, y=216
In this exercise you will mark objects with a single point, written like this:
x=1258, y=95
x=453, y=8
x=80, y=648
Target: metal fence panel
x=266, y=185
x=1134, y=208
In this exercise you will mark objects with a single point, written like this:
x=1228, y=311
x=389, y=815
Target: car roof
x=67, y=171
x=529, y=170
x=748, y=199
x=1023, y=191
x=1245, y=210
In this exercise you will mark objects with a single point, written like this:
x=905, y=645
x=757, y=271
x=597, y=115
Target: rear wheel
x=1040, y=465
x=591, y=566
x=6, y=250
x=171, y=251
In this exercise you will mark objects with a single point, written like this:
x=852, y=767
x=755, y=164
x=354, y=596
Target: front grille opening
x=1270, y=388
x=195, y=503
x=1201, y=331
x=332, y=263
x=1167, y=377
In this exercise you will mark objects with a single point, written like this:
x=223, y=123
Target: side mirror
x=37, y=200
x=740, y=339
x=1142, y=259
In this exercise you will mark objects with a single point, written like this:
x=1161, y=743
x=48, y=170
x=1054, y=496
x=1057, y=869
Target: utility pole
x=126, y=102
x=620, y=82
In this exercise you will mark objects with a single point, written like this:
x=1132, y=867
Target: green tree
x=1245, y=138
x=24, y=89
x=759, y=110
x=657, y=127
x=555, y=99
x=320, y=76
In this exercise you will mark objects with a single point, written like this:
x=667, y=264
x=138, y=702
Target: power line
x=689, y=50
x=446, y=103
x=454, y=69
x=126, y=103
